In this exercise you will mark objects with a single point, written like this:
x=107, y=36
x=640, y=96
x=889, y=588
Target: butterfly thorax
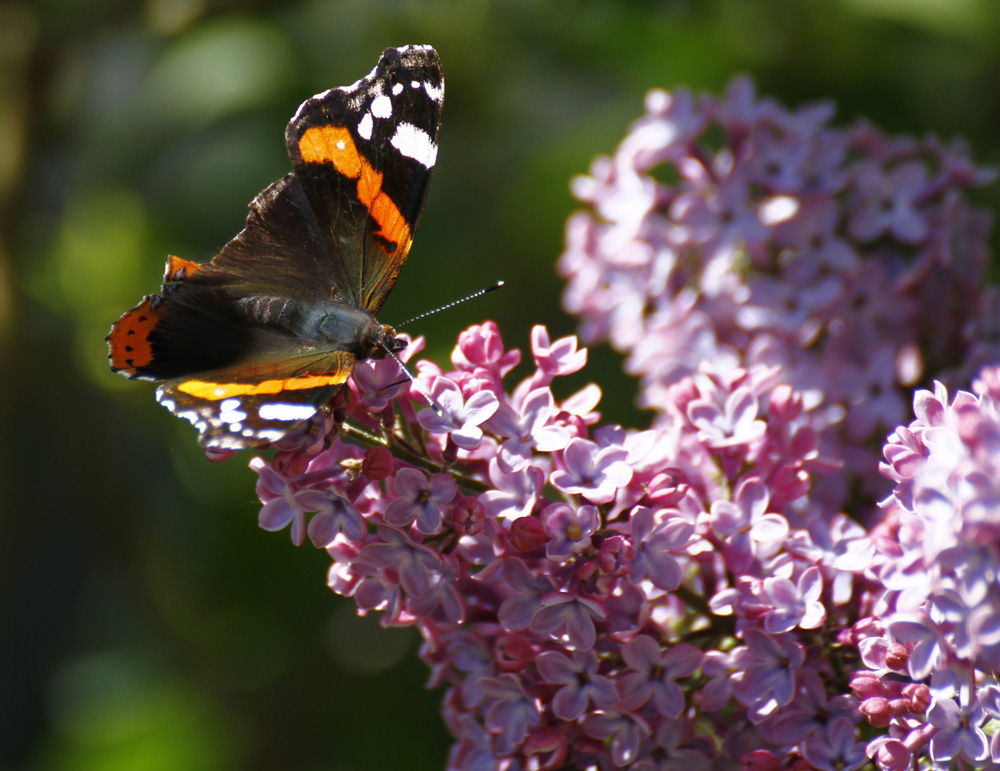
x=338, y=326
x=352, y=329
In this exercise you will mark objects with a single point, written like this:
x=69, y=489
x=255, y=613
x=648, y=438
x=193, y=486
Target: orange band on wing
x=331, y=144
x=128, y=341
x=178, y=268
x=334, y=145
x=204, y=389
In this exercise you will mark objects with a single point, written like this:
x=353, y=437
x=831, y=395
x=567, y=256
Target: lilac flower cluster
x=785, y=242
x=930, y=629
x=560, y=603
x=692, y=594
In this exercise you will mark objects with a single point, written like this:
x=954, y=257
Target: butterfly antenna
x=406, y=370
x=413, y=379
x=452, y=304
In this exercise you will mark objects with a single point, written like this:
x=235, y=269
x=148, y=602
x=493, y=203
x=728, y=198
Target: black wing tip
x=416, y=51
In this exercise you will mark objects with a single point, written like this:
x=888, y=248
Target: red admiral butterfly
x=258, y=339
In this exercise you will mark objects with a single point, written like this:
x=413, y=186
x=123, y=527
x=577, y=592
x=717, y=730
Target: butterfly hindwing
x=259, y=401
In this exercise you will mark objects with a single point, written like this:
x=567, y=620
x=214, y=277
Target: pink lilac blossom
x=933, y=653
x=702, y=593
x=782, y=240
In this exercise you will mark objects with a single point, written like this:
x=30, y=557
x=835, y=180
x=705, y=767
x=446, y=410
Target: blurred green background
x=145, y=621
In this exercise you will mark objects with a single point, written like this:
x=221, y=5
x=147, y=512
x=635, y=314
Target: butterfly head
x=381, y=341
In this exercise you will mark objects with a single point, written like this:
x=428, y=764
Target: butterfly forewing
x=364, y=155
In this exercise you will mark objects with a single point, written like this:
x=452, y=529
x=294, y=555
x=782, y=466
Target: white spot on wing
x=286, y=412
x=365, y=126
x=193, y=417
x=231, y=414
x=381, y=106
x=435, y=93
x=415, y=143
x=397, y=89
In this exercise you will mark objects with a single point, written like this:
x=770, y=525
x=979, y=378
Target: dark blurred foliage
x=146, y=621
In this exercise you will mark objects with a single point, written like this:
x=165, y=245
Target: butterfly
x=257, y=340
